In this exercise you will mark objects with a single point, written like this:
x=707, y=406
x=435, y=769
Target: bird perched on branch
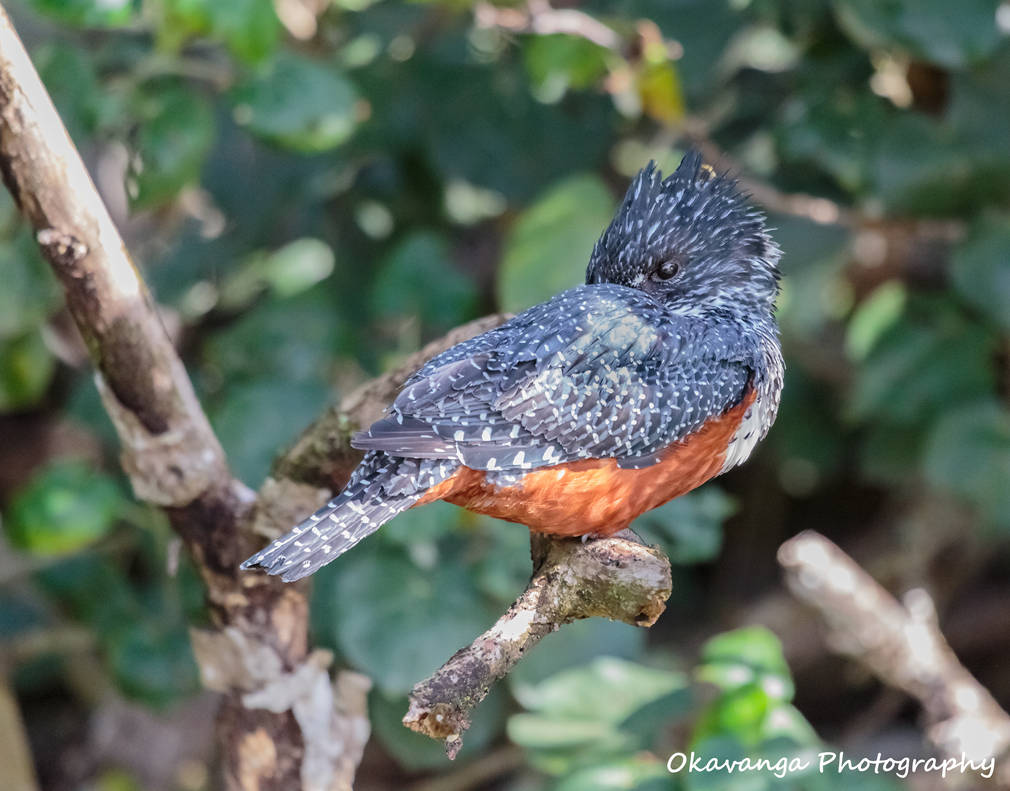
x=581, y=413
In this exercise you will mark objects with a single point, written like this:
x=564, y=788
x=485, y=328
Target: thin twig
x=541, y=19
x=902, y=645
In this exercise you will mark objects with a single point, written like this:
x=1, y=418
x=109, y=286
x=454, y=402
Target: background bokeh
x=314, y=188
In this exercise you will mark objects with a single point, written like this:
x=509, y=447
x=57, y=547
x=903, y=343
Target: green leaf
x=493, y=134
x=418, y=279
x=835, y=133
x=249, y=28
x=980, y=269
x=808, y=438
x=587, y=713
x=286, y=271
x=926, y=168
x=392, y=620
x=297, y=103
x=558, y=62
x=87, y=13
x=255, y=419
x=69, y=76
x=740, y=712
x=875, y=314
x=968, y=453
x=690, y=527
x=926, y=28
x=548, y=248
x=629, y=774
x=607, y=689
x=152, y=661
x=284, y=340
x=576, y=644
x=30, y=291
x=63, y=508
x=924, y=364
x=503, y=568
x=545, y=733
x=175, y=136
x=26, y=369
x=745, y=657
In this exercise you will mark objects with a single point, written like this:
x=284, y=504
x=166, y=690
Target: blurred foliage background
x=313, y=188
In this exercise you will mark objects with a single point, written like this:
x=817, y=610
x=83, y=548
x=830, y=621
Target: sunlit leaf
x=572, y=647
x=249, y=28
x=751, y=655
x=579, y=715
x=297, y=103
x=87, y=13
x=26, y=369
x=64, y=508
x=660, y=92
x=558, y=62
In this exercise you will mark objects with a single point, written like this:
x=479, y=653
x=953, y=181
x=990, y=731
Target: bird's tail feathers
x=375, y=494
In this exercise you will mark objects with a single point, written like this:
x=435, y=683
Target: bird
x=663, y=370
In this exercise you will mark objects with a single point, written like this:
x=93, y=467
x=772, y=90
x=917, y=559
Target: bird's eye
x=667, y=269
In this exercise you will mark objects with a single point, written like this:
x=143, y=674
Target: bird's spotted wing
x=599, y=371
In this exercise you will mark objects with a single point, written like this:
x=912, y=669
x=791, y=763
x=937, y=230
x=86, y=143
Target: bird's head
x=690, y=240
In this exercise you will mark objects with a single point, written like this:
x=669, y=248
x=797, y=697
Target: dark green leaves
x=548, y=249
x=558, y=62
x=689, y=528
x=418, y=280
x=981, y=270
x=400, y=622
x=66, y=507
x=249, y=28
x=923, y=364
x=968, y=453
x=88, y=13
x=926, y=28
x=26, y=368
x=174, y=138
x=304, y=105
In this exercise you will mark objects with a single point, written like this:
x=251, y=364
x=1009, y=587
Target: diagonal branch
x=901, y=644
x=616, y=578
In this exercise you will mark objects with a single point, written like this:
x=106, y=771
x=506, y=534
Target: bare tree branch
x=616, y=578
x=170, y=453
x=902, y=645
